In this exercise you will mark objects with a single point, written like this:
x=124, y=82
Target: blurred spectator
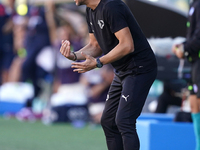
x=97, y=84
x=36, y=39
x=19, y=32
x=66, y=87
x=190, y=49
x=60, y=29
x=6, y=39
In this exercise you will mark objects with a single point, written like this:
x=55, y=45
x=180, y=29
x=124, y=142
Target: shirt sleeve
x=88, y=21
x=115, y=15
x=192, y=45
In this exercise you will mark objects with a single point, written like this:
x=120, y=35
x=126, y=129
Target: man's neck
x=93, y=4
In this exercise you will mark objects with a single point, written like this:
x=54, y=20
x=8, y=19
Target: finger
x=63, y=48
x=67, y=48
x=79, y=70
x=67, y=42
x=77, y=66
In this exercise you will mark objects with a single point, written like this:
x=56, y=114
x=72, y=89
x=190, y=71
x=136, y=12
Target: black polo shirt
x=111, y=16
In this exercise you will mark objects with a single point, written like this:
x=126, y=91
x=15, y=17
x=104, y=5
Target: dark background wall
x=157, y=21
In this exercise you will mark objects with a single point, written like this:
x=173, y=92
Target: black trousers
x=124, y=104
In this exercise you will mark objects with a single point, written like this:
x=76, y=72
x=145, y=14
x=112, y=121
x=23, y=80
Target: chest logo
x=101, y=23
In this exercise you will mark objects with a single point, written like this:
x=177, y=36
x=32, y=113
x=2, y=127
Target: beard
x=81, y=2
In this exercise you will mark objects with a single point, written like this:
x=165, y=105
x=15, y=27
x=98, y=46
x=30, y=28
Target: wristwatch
x=99, y=64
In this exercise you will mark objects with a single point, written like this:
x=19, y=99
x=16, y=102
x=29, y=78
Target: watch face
x=99, y=64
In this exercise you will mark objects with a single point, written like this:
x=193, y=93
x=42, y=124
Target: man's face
x=80, y=2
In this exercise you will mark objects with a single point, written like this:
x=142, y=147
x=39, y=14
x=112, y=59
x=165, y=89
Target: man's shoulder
x=111, y=2
x=108, y=1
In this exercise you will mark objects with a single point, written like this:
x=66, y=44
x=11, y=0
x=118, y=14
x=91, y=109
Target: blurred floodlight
x=22, y=9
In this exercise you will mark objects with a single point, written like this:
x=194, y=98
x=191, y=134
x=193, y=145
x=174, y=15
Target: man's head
x=89, y=3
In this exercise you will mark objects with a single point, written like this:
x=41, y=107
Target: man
x=190, y=49
x=114, y=31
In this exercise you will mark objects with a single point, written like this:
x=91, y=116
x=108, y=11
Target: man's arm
x=91, y=49
x=124, y=47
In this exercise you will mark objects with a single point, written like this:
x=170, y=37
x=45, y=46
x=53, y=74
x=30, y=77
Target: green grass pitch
x=15, y=135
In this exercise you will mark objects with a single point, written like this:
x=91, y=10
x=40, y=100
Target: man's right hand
x=65, y=50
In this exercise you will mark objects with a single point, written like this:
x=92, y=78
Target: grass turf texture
x=15, y=135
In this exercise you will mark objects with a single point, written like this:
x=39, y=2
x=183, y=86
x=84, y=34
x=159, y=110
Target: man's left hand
x=87, y=65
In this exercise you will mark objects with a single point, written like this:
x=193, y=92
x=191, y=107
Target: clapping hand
x=65, y=50
x=87, y=65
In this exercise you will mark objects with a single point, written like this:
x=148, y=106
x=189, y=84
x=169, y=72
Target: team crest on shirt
x=101, y=23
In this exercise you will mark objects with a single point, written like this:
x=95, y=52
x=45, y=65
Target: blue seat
x=159, y=132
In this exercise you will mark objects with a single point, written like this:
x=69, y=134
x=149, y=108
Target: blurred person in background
x=114, y=31
x=66, y=82
x=60, y=29
x=190, y=49
x=63, y=70
x=7, y=12
x=36, y=39
x=19, y=32
x=97, y=84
